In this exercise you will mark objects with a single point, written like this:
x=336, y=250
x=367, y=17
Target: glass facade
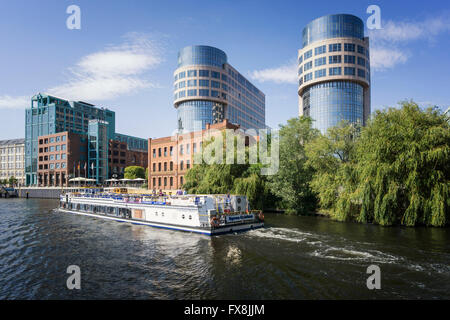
x=194, y=115
x=98, y=145
x=332, y=102
x=49, y=115
x=201, y=55
x=215, y=94
x=333, y=26
x=339, y=91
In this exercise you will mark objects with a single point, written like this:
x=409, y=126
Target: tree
x=291, y=183
x=12, y=181
x=244, y=179
x=403, y=167
x=332, y=157
x=396, y=172
x=134, y=172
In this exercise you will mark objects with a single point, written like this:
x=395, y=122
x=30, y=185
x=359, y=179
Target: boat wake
x=326, y=246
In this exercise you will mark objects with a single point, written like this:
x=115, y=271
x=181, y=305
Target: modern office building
x=334, y=71
x=49, y=115
x=12, y=160
x=208, y=90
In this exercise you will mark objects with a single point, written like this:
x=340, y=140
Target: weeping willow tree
x=332, y=158
x=396, y=172
x=222, y=178
x=404, y=167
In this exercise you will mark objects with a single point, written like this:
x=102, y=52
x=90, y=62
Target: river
x=291, y=258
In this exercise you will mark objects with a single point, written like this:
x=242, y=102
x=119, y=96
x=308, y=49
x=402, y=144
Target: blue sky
x=124, y=55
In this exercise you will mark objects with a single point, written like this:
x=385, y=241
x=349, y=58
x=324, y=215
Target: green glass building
x=48, y=115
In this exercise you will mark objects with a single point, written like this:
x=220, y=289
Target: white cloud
x=404, y=31
x=382, y=58
x=284, y=74
x=112, y=72
x=19, y=102
x=388, y=44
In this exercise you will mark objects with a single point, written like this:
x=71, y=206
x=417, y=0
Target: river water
x=292, y=258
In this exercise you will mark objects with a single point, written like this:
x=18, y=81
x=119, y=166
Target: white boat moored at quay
x=205, y=214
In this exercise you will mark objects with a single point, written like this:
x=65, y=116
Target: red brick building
x=121, y=156
x=61, y=156
x=169, y=158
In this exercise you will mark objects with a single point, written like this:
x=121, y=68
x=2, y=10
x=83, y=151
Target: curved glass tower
x=207, y=90
x=334, y=71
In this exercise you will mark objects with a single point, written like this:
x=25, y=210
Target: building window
x=334, y=71
x=334, y=47
x=203, y=83
x=192, y=83
x=181, y=182
x=203, y=92
x=165, y=151
x=181, y=165
x=165, y=166
x=159, y=152
x=192, y=73
x=360, y=49
x=171, y=165
x=361, y=61
x=203, y=73
x=192, y=92
x=215, y=74
x=320, y=73
x=320, y=50
x=154, y=166
x=181, y=149
x=171, y=151
x=308, y=76
x=350, y=47
x=308, y=54
x=334, y=59
x=349, y=59
x=307, y=66
x=361, y=73
x=320, y=61
x=349, y=71
x=171, y=181
x=154, y=153
x=159, y=166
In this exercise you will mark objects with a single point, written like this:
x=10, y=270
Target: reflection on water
x=292, y=258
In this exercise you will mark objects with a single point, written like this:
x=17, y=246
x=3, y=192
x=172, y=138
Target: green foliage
x=134, y=172
x=331, y=157
x=225, y=178
x=403, y=161
x=396, y=172
x=291, y=182
x=12, y=181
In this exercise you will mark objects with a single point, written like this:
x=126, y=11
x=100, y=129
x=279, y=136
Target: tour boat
x=205, y=214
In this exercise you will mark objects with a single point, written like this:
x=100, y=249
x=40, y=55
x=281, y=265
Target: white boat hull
x=206, y=231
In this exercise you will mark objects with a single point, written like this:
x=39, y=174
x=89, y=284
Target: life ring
x=261, y=216
x=215, y=221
